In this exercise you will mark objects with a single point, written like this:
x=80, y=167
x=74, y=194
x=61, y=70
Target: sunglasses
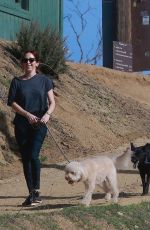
x=25, y=60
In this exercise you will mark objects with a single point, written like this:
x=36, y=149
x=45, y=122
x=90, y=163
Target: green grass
x=121, y=217
x=25, y=222
x=93, y=218
x=43, y=159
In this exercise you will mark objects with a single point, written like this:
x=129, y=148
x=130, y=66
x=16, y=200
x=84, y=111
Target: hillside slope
x=97, y=110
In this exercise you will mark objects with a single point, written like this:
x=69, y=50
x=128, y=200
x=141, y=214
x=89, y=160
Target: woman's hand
x=45, y=118
x=32, y=118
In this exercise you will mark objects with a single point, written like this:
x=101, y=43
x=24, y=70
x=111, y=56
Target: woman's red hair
x=35, y=54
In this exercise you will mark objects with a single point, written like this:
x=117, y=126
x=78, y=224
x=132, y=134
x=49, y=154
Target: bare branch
x=78, y=32
x=98, y=52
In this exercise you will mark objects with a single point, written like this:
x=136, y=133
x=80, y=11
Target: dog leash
x=12, y=219
x=57, y=144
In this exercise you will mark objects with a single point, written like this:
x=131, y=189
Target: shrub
x=48, y=43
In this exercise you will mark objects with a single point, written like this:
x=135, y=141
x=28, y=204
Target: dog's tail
x=123, y=161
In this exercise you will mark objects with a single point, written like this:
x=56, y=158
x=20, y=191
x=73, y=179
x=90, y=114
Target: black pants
x=30, y=139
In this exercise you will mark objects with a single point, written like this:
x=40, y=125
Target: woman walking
x=31, y=97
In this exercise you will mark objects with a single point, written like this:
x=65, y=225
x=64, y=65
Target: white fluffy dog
x=100, y=170
x=94, y=171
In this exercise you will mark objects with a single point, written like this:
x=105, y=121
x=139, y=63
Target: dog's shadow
x=54, y=166
x=128, y=195
x=97, y=196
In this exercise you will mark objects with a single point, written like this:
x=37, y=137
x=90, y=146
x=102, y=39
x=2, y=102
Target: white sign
x=145, y=20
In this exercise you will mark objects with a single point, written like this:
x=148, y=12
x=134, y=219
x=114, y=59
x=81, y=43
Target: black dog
x=141, y=159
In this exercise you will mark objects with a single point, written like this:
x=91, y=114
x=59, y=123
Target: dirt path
x=57, y=194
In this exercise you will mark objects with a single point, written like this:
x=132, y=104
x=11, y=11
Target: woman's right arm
x=18, y=109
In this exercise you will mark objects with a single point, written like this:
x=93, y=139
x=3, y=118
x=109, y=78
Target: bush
x=48, y=43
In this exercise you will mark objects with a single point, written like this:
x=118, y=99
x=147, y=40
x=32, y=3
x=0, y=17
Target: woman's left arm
x=51, y=107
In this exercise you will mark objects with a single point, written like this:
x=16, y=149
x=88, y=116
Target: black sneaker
x=36, y=198
x=28, y=201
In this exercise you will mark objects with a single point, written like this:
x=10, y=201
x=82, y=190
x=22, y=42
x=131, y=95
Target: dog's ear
x=132, y=146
